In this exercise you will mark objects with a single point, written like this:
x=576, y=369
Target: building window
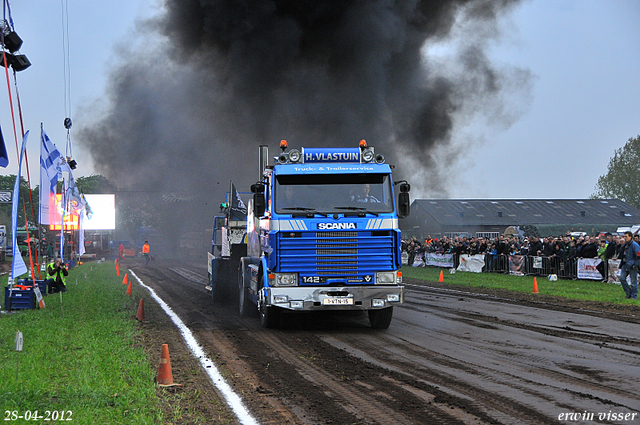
x=490, y=235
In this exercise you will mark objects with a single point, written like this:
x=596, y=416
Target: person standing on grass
x=146, y=251
x=603, y=259
x=629, y=266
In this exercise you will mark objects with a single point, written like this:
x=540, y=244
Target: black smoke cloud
x=210, y=80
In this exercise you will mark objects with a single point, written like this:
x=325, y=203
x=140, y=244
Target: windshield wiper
x=361, y=212
x=298, y=209
x=309, y=212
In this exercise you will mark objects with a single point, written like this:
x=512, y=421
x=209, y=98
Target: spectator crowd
x=554, y=250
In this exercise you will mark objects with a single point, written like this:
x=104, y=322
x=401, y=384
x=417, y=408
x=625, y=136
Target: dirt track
x=448, y=358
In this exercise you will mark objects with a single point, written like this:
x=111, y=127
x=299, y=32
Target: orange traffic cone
x=441, y=277
x=129, y=289
x=124, y=281
x=165, y=377
x=140, y=315
x=535, y=286
x=117, y=268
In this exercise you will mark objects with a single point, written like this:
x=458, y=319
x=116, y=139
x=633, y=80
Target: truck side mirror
x=258, y=199
x=258, y=204
x=404, y=203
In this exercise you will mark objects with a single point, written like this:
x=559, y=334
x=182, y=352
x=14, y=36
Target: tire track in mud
x=566, y=332
x=531, y=376
x=432, y=373
x=363, y=407
x=348, y=391
x=264, y=403
x=343, y=372
x=622, y=313
x=365, y=392
x=212, y=327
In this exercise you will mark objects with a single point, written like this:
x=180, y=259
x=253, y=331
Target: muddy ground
x=469, y=357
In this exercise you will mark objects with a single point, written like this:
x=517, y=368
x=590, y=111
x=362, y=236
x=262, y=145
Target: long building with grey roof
x=488, y=217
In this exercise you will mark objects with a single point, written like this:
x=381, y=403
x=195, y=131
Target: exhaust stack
x=263, y=159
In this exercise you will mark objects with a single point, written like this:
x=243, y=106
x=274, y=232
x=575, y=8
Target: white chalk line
x=233, y=400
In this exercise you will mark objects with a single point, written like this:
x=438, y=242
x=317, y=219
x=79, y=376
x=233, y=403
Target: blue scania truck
x=322, y=234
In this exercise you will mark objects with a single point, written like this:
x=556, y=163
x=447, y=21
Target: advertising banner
x=587, y=268
x=438, y=260
x=614, y=271
x=471, y=263
x=537, y=262
x=433, y=259
x=516, y=265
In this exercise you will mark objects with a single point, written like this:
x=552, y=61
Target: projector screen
x=104, y=212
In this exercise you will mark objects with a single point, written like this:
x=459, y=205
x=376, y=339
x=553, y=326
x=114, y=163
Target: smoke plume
x=211, y=80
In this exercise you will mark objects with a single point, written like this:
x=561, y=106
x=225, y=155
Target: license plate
x=337, y=301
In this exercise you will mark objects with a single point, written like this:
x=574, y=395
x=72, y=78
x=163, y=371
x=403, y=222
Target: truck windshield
x=325, y=193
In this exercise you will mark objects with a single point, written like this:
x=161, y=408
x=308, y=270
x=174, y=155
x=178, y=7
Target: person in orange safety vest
x=146, y=250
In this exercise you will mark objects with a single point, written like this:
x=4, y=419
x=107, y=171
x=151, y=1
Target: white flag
x=81, y=249
x=17, y=267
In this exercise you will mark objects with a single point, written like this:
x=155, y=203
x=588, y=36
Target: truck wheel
x=269, y=317
x=217, y=293
x=216, y=283
x=244, y=304
x=380, y=319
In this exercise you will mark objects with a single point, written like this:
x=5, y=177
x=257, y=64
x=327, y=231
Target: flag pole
x=62, y=213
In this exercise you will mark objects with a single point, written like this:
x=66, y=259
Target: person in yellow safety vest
x=146, y=249
x=59, y=271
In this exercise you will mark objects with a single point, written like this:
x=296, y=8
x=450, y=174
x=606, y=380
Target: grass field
x=584, y=290
x=79, y=359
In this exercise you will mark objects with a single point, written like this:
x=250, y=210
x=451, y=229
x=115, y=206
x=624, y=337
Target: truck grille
x=336, y=254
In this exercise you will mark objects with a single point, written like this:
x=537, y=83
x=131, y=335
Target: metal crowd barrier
x=564, y=268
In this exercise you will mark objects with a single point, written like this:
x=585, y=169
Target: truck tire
x=269, y=316
x=217, y=280
x=216, y=294
x=381, y=319
x=244, y=304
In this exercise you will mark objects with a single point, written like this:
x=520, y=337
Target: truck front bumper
x=333, y=298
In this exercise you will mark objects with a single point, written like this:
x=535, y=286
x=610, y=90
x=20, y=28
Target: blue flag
x=238, y=208
x=4, y=158
x=18, y=267
x=51, y=164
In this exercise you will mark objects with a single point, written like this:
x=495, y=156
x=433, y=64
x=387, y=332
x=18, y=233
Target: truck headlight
x=280, y=299
x=286, y=279
x=385, y=278
x=294, y=155
x=377, y=303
